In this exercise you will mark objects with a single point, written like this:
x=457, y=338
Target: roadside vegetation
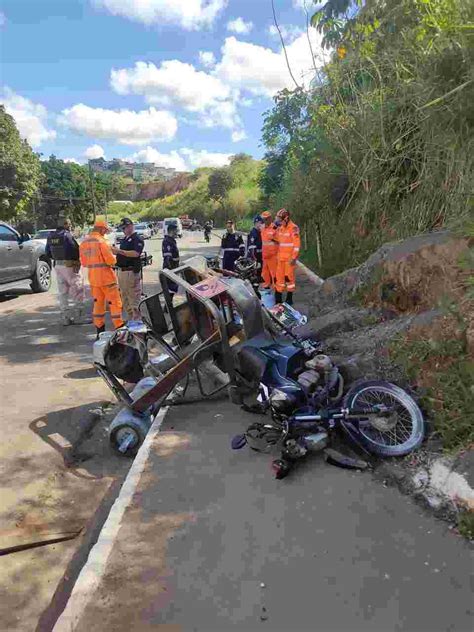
x=382, y=145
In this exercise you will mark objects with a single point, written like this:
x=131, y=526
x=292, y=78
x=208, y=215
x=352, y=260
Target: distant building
x=138, y=171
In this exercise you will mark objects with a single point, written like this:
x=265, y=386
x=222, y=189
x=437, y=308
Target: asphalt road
x=212, y=542
x=56, y=470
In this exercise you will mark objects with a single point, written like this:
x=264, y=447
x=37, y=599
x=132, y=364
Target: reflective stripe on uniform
x=287, y=244
x=97, y=265
x=231, y=249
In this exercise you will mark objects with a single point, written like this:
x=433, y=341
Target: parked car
x=42, y=235
x=23, y=259
x=119, y=234
x=143, y=230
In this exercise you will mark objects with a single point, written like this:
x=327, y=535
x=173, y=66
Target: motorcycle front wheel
x=397, y=434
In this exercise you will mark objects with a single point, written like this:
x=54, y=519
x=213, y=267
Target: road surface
x=212, y=542
x=48, y=388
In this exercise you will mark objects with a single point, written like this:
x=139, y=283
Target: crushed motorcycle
x=217, y=325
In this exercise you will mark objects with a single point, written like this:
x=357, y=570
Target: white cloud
x=171, y=160
x=289, y=32
x=261, y=71
x=189, y=14
x=73, y=160
x=183, y=159
x=30, y=118
x=3, y=19
x=124, y=126
x=178, y=84
x=239, y=26
x=94, y=151
x=204, y=158
x=238, y=135
x=207, y=58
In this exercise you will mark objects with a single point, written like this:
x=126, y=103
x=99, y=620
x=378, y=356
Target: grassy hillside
x=216, y=194
x=382, y=146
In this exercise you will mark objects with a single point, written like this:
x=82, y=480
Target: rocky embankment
x=407, y=315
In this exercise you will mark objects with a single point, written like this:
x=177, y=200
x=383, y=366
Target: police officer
x=254, y=242
x=170, y=253
x=232, y=246
x=129, y=268
x=63, y=249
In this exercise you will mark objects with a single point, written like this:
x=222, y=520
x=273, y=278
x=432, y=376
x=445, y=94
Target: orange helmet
x=266, y=215
x=101, y=223
x=283, y=214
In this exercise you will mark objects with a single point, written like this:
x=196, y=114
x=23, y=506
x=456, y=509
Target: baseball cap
x=266, y=215
x=125, y=221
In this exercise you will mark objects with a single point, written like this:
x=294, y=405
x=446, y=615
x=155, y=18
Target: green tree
x=220, y=181
x=19, y=171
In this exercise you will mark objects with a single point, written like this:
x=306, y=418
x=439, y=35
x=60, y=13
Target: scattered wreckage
x=217, y=326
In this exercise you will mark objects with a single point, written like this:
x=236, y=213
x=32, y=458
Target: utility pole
x=91, y=181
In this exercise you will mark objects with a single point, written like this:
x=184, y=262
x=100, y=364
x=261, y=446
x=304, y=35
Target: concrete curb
x=310, y=274
x=93, y=570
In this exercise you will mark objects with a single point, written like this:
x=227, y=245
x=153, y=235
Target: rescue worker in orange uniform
x=269, y=251
x=288, y=239
x=97, y=256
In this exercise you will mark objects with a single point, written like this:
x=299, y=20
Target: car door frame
x=15, y=259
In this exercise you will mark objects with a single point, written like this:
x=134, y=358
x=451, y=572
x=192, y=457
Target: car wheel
x=41, y=279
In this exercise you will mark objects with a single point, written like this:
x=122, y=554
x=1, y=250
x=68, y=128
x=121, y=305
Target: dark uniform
x=254, y=245
x=129, y=274
x=134, y=242
x=64, y=250
x=170, y=258
x=61, y=246
x=233, y=247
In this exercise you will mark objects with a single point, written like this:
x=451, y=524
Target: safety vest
x=288, y=238
x=98, y=258
x=269, y=247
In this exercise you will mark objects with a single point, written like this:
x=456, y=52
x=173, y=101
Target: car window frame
x=12, y=231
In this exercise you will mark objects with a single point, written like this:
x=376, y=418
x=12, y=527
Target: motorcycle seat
x=251, y=363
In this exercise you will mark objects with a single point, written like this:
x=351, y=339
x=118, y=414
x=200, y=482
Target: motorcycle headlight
x=281, y=401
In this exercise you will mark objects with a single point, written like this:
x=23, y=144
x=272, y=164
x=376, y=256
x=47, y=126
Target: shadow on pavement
x=80, y=436
x=37, y=335
x=8, y=295
x=82, y=374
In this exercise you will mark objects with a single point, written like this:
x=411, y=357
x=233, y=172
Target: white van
x=172, y=220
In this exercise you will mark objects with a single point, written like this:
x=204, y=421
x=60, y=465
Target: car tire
x=41, y=279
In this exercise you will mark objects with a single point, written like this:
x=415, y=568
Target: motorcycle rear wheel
x=400, y=433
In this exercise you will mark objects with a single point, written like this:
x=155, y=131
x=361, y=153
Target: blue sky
x=181, y=83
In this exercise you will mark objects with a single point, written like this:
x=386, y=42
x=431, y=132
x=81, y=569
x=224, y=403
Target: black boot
x=99, y=331
x=278, y=297
x=289, y=298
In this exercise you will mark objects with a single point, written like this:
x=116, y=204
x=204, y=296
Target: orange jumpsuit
x=269, y=255
x=288, y=238
x=96, y=255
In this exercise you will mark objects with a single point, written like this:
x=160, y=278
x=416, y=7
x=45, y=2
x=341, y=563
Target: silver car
x=143, y=230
